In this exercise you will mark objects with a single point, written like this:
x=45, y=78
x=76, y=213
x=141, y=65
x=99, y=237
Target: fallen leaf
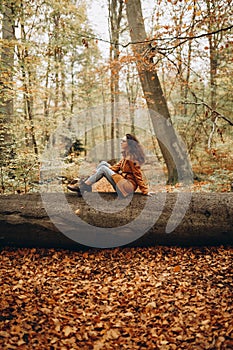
x=67, y=330
x=176, y=268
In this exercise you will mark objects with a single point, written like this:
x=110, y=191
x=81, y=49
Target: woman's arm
x=136, y=169
x=116, y=167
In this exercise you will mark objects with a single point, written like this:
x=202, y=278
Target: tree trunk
x=213, y=53
x=213, y=56
x=6, y=82
x=208, y=220
x=63, y=91
x=46, y=99
x=57, y=58
x=93, y=136
x=104, y=126
x=173, y=151
x=7, y=62
x=132, y=87
x=28, y=95
x=72, y=84
x=115, y=16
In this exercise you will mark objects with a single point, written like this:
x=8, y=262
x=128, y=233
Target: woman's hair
x=135, y=150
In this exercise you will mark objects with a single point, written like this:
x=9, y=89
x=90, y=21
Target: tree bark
x=24, y=221
x=115, y=16
x=172, y=150
x=6, y=82
x=7, y=61
x=214, y=42
x=132, y=87
x=28, y=98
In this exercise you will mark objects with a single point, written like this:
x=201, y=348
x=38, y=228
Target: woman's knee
x=105, y=169
x=103, y=162
x=102, y=169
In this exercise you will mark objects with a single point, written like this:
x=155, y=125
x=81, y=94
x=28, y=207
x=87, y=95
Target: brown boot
x=74, y=188
x=84, y=187
x=81, y=188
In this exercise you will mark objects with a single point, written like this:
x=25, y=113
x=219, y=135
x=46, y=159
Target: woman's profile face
x=124, y=143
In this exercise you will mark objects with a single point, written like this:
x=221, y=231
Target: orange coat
x=128, y=177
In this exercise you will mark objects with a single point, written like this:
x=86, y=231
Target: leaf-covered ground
x=132, y=298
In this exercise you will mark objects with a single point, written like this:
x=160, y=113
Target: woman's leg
x=102, y=170
x=103, y=162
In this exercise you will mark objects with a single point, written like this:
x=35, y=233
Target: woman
x=125, y=176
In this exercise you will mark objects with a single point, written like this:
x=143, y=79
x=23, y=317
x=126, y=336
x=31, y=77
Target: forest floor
x=123, y=298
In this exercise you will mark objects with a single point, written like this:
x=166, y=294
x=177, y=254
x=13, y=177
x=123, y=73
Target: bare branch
x=219, y=115
x=183, y=38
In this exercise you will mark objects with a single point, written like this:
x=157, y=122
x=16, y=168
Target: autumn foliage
x=132, y=298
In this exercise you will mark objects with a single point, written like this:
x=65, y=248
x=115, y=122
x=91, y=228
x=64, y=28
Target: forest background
x=53, y=68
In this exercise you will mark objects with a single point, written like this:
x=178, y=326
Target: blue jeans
x=103, y=170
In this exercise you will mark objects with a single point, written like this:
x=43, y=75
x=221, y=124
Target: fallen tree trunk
x=24, y=221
